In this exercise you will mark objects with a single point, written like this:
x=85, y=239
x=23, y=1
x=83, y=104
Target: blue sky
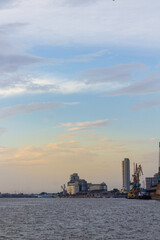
x=79, y=90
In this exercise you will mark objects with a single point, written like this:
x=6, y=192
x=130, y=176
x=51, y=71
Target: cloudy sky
x=79, y=91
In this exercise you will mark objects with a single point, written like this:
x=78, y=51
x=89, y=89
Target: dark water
x=99, y=219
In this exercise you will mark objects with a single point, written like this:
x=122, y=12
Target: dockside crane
x=133, y=193
x=136, y=175
x=63, y=187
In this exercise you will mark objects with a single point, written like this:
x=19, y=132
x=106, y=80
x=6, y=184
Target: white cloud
x=98, y=22
x=94, y=80
x=61, y=22
x=25, y=84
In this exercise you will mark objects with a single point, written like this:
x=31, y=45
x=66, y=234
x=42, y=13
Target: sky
x=79, y=91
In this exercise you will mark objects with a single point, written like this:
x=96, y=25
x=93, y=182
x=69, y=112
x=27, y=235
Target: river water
x=93, y=219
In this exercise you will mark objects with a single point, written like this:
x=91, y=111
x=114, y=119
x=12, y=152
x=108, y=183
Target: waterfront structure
x=80, y=186
x=126, y=174
x=72, y=185
x=74, y=177
x=73, y=188
x=97, y=187
x=157, y=194
x=151, y=181
x=83, y=186
x=76, y=185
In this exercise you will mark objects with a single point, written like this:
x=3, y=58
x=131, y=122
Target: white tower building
x=126, y=173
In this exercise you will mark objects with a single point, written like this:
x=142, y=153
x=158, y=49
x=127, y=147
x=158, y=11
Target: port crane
x=63, y=187
x=136, y=175
x=135, y=183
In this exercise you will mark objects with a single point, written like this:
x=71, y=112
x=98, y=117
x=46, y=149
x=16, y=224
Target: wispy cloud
x=82, y=58
x=28, y=108
x=86, y=125
x=96, y=23
x=17, y=84
x=73, y=135
x=149, y=85
x=7, y=33
x=88, y=56
x=94, y=80
x=121, y=73
x=50, y=152
x=148, y=104
x=14, y=62
x=115, y=80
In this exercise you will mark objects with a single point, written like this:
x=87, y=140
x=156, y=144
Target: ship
x=143, y=194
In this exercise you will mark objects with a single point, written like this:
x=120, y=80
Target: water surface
x=93, y=219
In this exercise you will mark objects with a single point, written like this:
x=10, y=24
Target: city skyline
x=79, y=91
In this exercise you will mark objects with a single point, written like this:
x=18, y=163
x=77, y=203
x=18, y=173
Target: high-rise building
x=126, y=173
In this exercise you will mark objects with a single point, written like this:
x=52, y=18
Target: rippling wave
x=92, y=219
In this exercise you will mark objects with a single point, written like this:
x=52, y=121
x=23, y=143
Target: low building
x=97, y=187
x=83, y=186
x=151, y=181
